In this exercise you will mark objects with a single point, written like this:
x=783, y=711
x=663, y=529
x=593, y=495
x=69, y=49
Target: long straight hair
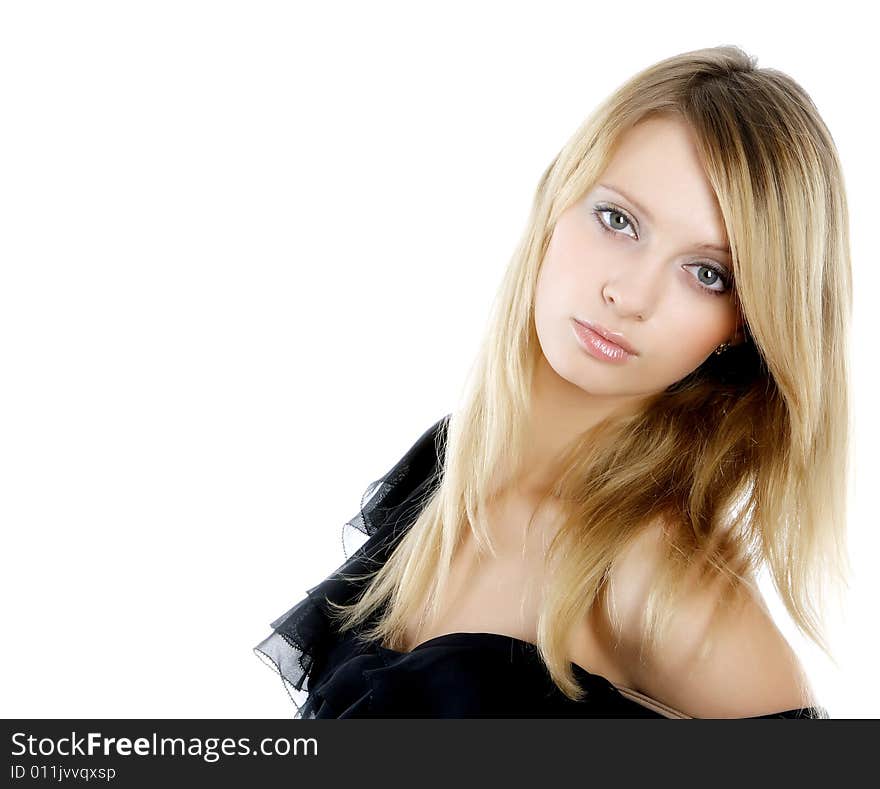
x=745, y=462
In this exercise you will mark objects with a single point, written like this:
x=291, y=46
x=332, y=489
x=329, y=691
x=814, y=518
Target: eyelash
x=722, y=273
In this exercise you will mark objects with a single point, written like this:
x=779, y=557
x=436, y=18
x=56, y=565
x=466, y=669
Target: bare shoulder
x=749, y=669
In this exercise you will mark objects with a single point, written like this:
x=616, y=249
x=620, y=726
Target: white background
x=248, y=249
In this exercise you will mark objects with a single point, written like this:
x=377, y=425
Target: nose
x=634, y=289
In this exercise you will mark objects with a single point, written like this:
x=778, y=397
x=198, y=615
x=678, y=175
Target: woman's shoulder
x=749, y=668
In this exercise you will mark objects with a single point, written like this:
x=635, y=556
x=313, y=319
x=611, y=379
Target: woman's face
x=628, y=257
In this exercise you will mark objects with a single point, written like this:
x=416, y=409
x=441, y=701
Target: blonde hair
x=745, y=461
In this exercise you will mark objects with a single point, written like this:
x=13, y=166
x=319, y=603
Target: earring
x=722, y=348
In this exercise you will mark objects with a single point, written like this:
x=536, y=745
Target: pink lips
x=602, y=343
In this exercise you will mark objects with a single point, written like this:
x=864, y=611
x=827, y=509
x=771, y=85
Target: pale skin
x=644, y=276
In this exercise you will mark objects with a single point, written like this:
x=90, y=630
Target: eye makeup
x=720, y=271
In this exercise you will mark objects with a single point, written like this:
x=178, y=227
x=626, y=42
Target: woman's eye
x=616, y=222
x=708, y=277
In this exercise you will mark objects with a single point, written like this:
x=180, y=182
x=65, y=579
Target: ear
x=739, y=334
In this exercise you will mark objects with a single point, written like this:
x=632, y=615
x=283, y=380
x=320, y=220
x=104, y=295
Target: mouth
x=616, y=340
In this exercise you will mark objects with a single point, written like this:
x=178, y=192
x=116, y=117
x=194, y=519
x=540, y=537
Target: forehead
x=657, y=164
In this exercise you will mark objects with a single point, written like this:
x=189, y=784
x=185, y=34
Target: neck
x=560, y=412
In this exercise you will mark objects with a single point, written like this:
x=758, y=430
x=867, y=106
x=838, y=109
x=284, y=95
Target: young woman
x=659, y=409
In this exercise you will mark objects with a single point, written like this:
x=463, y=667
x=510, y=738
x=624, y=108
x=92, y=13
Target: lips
x=611, y=336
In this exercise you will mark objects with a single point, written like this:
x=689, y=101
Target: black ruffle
x=302, y=637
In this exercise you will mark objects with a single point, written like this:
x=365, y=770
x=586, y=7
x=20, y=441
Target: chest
x=502, y=593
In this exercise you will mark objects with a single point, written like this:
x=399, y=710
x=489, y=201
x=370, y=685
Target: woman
x=660, y=407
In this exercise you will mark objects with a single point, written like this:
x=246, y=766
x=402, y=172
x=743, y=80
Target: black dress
x=456, y=675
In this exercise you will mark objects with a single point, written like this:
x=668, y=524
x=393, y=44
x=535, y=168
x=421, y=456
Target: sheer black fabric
x=303, y=637
x=457, y=675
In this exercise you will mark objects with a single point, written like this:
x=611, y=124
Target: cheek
x=565, y=274
x=559, y=290
x=692, y=328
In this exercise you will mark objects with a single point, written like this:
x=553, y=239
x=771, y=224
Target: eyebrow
x=716, y=247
